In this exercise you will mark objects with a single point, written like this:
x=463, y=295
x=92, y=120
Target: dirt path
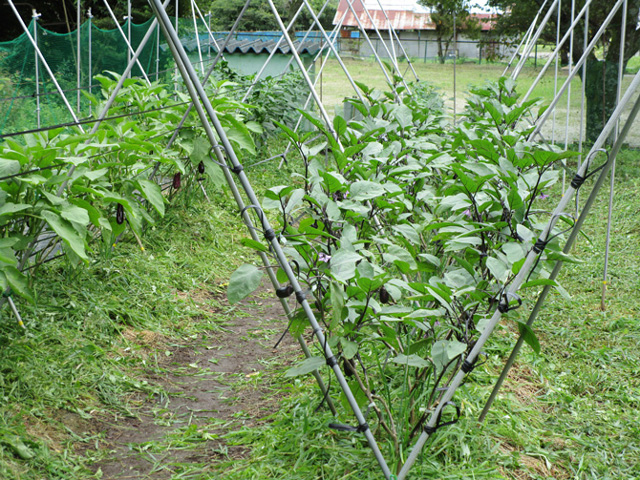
x=215, y=384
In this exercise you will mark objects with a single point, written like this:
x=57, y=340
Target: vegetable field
x=149, y=345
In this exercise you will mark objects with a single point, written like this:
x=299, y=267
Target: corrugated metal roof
x=255, y=46
x=405, y=16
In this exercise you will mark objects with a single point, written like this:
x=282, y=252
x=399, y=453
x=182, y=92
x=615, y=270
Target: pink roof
x=405, y=19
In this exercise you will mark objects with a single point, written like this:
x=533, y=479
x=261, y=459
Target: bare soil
x=214, y=385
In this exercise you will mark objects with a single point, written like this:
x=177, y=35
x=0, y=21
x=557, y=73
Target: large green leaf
x=66, y=232
x=343, y=264
x=308, y=365
x=528, y=336
x=152, y=193
x=411, y=361
x=8, y=167
x=244, y=281
x=10, y=208
x=18, y=282
x=443, y=351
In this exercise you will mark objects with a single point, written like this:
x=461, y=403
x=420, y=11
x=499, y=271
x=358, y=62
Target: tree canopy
x=602, y=67
x=60, y=15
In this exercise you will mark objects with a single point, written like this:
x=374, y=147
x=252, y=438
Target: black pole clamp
x=348, y=428
x=429, y=430
x=505, y=306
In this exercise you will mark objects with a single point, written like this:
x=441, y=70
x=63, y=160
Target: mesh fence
x=28, y=97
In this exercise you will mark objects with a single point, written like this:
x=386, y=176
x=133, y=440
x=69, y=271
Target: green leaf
x=238, y=133
x=8, y=256
x=443, y=351
x=528, y=336
x=411, y=361
x=66, y=232
x=18, y=282
x=538, y=282
x=343, y=264
x=349, y=348
x=75, y=214
x=244, y=281
x=498, y=268
x=199, y=150
x=152, y=193
x=308, y=365
x=214, y=171
x=8, y=167
x=249, y=242
x=10, y=208
x=17, y=446
x=337, y=303
x=339, y=125
x=365, y=190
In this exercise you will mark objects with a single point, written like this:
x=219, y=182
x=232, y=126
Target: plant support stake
x=191, y=79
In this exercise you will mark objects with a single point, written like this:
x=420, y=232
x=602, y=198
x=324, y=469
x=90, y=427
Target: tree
x=60, y=15
x=259, y=17
x=444, y=13
x=601, y=80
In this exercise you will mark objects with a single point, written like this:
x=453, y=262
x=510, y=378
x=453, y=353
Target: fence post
x=35, y=17
x=89, y=71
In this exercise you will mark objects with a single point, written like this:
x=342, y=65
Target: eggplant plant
x=405, y=231
x=62, y=188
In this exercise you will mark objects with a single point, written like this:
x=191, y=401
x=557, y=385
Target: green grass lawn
x=334, y=87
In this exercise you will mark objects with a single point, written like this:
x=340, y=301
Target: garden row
x=405, y=233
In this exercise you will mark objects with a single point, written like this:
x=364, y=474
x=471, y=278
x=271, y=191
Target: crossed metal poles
x=198, y=95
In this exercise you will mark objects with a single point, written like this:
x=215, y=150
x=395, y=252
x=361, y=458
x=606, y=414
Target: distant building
x=412, y=22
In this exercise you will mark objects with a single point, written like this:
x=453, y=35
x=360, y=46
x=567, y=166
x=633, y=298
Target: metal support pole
x=536, y=36
x=455, y=58
x=240, y=202
x=567, y=249
x=333, y=49
x=275, y=49
x=607, y=247
x=395, y=34
x=566, y=127
x=555, y=78
x=208, y=27
x=127, y=40
x=44, y=63
x=294, y=52
x=373, y=49
x=35, y=17
x=525, y=38
x=209, y=30
x=157, y=53
x=195, y=32
x=306, y=35
x=513, y=286
x=15, y=311
x=78, y=55
x=89, y=59
x=129, y=49
x=198, y=93
x=556, y=51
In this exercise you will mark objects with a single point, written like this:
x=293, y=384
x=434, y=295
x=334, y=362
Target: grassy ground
x=335, y=87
